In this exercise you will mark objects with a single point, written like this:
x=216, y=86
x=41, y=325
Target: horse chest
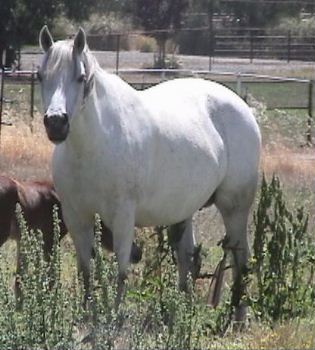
x=88, y=181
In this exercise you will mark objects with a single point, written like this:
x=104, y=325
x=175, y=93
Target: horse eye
x=81, y=78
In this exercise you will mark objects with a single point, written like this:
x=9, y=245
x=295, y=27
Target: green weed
x=49, y=313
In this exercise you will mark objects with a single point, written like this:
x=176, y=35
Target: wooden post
x=251, y=42
x=117, y=52
x=32, y=96
x=289, y=46
x=211, y=34
x=309, y=141
x=1, y=97
x=239, y=84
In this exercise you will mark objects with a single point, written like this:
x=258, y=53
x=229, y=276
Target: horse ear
x=79, y=41
x=45, y=39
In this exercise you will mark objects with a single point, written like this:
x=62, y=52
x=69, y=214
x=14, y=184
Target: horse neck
x=110, y=100
x=107, y=107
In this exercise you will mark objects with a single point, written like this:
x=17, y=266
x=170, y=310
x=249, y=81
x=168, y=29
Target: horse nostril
x=56, y=120
x=46, y=120
x=65, y=118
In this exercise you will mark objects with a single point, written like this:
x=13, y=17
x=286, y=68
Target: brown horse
x=37, y=199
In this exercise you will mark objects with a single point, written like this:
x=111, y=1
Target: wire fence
x=213, y=40
x=19, y=90
x=250, y=43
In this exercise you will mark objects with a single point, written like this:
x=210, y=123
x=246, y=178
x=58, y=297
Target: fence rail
x=248, y=43
x=289, y=93
x=254, y=45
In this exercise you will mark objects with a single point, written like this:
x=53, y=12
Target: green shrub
x=153, y=313
x=45, y=312
x=284, y=258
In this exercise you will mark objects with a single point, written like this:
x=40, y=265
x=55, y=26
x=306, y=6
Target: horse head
x=65, y=77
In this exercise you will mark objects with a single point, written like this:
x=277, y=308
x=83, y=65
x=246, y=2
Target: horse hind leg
x=235, y=211
x=182, y=240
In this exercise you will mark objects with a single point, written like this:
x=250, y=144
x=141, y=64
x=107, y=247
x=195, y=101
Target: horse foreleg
x=123, y=235
x=182, y=239
x=81, y=230
x=83, y=242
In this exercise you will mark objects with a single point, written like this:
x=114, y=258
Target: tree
x=6, y=25
x=260, y=13
x=21, y=20
x=160, y=18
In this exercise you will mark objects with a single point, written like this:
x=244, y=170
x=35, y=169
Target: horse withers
x=37, y=200
x=151, y=157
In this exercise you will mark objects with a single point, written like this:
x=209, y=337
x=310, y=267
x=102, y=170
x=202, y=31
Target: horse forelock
x=58, y=57
x=61, y=57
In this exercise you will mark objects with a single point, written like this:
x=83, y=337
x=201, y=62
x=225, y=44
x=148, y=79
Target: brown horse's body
x=37, y=200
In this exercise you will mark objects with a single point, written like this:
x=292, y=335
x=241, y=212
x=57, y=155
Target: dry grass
x=291, y=335
x=25, y=151
x=292, y=165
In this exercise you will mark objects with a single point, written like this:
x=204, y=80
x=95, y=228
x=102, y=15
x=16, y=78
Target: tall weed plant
x=44, y=314
x=153, y=314
x=283, y=258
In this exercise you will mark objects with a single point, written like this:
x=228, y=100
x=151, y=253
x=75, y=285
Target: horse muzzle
x=57, y=127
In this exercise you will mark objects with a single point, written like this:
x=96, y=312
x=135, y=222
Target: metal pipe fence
x=275, y=92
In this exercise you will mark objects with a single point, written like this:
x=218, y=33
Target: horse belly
x=178, y=190
x=171, y=208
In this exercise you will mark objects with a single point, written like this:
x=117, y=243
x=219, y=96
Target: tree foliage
x=160, y=17
x=260, y=13
x=21, y=20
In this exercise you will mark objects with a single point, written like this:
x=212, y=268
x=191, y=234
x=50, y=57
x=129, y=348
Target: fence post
x=309, y=141
x=289, y=47
x=211, y=34
x=251, y=42
x=239, y=84
x=117, y=52
x=1, y=97
x=32, y=96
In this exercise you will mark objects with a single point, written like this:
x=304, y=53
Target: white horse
x=145, y=158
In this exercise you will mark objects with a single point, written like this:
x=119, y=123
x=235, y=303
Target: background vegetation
x=154, y=315
x=21, y=20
